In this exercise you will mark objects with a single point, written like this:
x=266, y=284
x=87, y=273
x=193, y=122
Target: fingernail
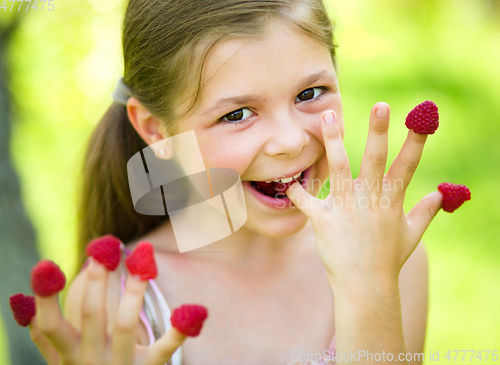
x=329, y=118
x=381, y=112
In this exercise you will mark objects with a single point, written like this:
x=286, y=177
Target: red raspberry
x=142, y=261
x=454, y=195
x=106, y=250
x=23, y=307
x=424, y=118
x=189, y=318
x=47, y=278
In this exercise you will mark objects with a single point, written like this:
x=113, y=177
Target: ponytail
x=105, y=205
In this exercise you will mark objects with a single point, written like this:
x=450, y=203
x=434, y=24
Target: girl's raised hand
x=61, y=343
x=362, y=232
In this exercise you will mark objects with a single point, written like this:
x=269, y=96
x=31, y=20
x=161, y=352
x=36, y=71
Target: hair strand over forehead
x=165, y=43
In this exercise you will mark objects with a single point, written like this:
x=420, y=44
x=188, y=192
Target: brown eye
x=237, y=116
x=310, y=94
x=306, y=94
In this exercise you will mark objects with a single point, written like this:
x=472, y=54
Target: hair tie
x=122, y=92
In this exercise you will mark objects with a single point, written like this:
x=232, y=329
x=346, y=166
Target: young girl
x=255, y=80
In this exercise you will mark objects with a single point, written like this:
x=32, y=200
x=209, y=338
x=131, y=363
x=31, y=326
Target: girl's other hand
x=362, y=232
x=61, y=343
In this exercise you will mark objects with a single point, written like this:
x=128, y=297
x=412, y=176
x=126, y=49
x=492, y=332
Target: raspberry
x=106, y=250
x=189, y=318
x=454, y=195
x=142, y=261
x=47, y=278
x=424, y=118
x=23, y=307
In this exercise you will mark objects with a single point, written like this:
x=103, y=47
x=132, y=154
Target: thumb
x=304, y=201
x=164, y=347
x=423, y=212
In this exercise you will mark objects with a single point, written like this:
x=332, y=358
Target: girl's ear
x=150, y=128
x=146, y=124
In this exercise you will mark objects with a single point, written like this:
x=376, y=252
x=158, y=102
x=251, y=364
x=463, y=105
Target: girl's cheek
x=228, y=154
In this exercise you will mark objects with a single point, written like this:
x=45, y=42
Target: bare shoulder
x=413, y=287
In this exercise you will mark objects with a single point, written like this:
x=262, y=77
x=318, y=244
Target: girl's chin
x=277, y=227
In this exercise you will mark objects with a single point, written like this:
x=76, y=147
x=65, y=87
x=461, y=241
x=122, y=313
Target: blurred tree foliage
x=17, y=244
x=66, y=63
x=404, y=52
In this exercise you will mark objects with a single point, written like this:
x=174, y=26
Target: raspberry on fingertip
x=424, y=118
x=454, y=195
x=47, y=278
x=142, y=261
x=106, y=251
x=188, y=319
x=23, y=308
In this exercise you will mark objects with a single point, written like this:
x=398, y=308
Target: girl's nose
x=287, y=136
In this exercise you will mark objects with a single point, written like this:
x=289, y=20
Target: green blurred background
x=65, y=63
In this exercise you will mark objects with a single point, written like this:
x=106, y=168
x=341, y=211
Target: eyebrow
x=246, y=99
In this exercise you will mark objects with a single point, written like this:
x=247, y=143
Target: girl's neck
x=242, y=247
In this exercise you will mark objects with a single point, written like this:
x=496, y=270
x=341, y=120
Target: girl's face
x=259, y=114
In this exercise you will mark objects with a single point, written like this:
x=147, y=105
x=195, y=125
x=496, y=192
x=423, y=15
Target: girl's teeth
x=286, y=179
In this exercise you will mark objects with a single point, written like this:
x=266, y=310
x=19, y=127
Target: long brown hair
x=165, y=43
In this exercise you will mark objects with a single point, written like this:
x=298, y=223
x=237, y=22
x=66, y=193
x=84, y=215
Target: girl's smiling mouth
x=272, y=193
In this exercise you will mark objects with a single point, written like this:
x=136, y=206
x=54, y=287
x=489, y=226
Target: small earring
x=160, y=152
